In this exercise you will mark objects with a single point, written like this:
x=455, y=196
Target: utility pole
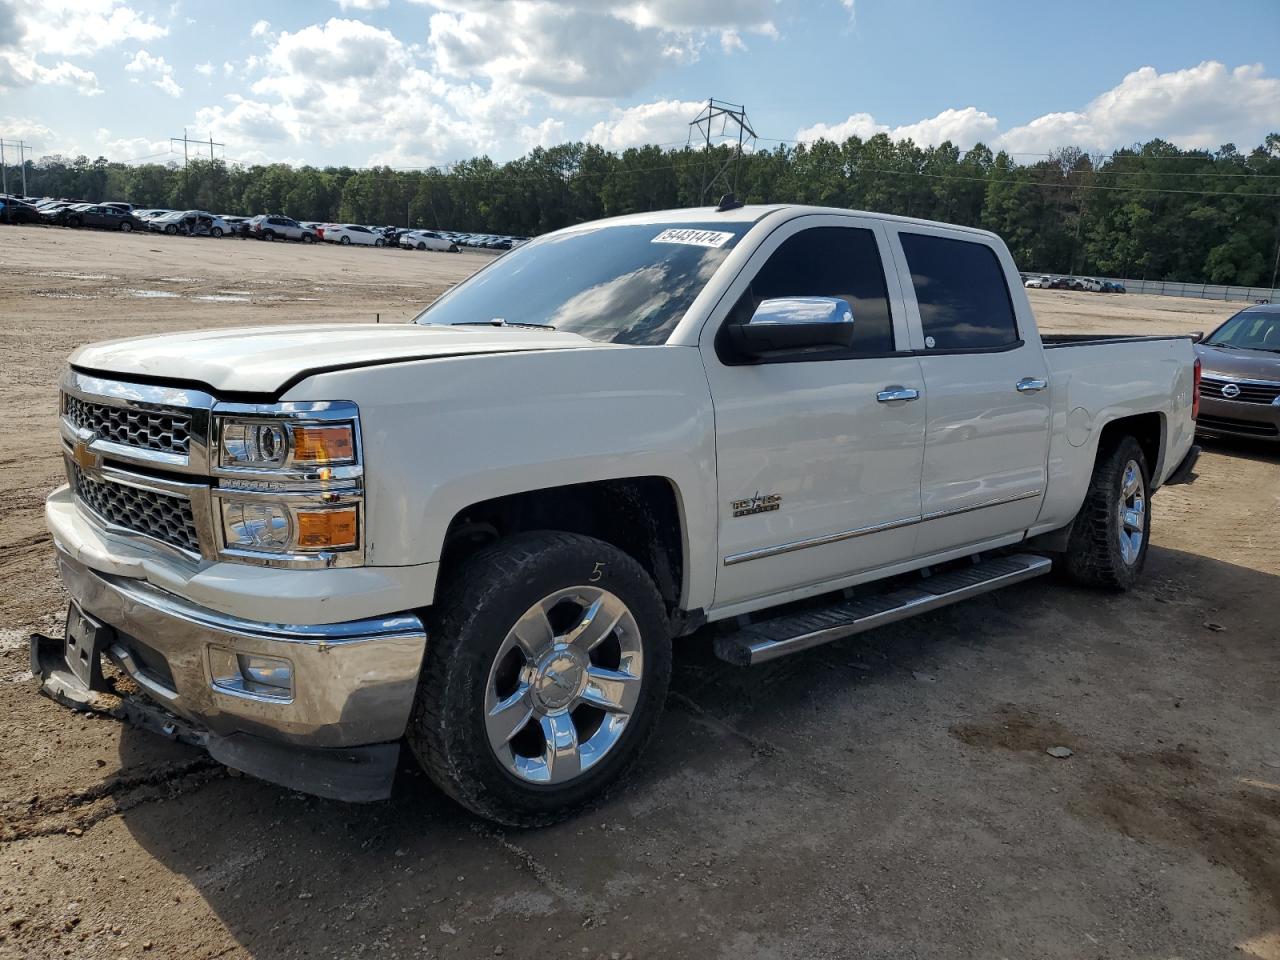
x=4, y=172
x=186, y=142
x=725, y=113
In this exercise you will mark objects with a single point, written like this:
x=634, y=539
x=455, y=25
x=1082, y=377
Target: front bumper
x=1234, y=418
x=353, y=683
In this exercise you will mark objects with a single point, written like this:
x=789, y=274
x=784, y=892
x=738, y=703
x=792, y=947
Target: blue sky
x=418, y=82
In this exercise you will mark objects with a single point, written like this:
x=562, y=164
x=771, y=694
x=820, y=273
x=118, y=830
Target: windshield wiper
x=1241, y=346
x=499, y=322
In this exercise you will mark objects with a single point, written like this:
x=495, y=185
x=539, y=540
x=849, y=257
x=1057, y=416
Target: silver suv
x=273, y=226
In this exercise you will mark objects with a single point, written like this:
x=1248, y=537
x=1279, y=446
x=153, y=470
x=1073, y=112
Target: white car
x=606, y=439
x=349, y=233
x=1038, y=283
x=426, y=240
x=1090, y=284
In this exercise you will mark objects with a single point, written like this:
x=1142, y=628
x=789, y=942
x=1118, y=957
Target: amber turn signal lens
x=336, y=444
x=327, y=528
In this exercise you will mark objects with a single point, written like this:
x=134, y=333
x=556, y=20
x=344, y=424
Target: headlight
x=278, y=526
x=270, y=445
x=289, y=483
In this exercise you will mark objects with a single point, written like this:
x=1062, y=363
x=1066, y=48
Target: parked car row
x=125, y=217
x=1089, y=284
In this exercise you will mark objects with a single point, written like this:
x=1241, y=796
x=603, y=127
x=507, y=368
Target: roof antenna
x=728, y=202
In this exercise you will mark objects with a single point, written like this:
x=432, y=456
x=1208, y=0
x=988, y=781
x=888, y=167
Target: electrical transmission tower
x=731, y=121
x=186, y=142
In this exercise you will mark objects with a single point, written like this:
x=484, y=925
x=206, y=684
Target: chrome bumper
x=353, y=683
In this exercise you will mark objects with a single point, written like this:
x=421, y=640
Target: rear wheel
x=269, y=235
x=1109, y=539
x=345, y=241
x=307, y=238
x=126, y=226
x=170, y=229
x=378, y=242
x=453, y=248
x=546, y=676
x=216, y=232
x=421, y=245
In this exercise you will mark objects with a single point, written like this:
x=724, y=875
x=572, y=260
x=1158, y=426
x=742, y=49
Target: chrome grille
x=163, y=517
x=1250, y=392
x=163, y=430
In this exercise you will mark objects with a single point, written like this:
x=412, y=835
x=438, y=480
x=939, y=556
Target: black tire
x=345, y=241
x=453, y=248
x=379, y=242
x=421, y=245
x=170, y=229
x=307, y=238
x=476, y=607
x=126, y=227
x=1094, y=556
x=269, y=235
x=216, y=233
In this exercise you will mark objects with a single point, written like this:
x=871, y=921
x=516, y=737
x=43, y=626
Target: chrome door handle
x=1031, y=385
x=889, y=394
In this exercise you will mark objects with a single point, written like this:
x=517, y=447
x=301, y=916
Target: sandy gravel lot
x=884, y=797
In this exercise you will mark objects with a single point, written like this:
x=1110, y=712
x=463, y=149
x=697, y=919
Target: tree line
x=1152, y=211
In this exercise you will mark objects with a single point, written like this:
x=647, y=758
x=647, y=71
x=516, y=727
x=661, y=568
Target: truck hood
x=1234, y=362
x=266, y=359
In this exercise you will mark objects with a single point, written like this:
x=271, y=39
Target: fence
x=1197, y=291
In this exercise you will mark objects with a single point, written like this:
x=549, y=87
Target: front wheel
x=170, y=229
x=1111, y=533
x=546, y=676
x=422, y=246
x=345, y=241
x=126, y=227
x=379, y=242
x=216, y=233
x=307, y=238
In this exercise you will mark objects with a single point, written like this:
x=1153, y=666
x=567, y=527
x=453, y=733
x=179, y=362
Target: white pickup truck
x=481, y=532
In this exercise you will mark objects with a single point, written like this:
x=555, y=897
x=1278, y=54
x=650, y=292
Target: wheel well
x=1146, y=428
x=639, y=516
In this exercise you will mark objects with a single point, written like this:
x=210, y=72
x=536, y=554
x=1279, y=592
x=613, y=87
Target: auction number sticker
x=694, y=238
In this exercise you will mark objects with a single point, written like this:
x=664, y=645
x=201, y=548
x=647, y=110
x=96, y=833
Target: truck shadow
x=969, y=694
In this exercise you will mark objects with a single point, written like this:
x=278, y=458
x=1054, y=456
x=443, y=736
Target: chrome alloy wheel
x=1133, y=510
x=563, y=685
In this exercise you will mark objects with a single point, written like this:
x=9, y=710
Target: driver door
x=819, y=455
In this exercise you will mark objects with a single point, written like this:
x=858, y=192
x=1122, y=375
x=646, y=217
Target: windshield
x=625, y=283
x=1249, y=329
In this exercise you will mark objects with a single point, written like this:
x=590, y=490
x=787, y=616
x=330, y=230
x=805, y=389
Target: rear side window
x=842, y=262
x=960, y=287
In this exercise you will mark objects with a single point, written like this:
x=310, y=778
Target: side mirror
x=1197, y=336
x=794, y=324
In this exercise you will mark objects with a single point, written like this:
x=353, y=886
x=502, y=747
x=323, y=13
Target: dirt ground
x=885, y=797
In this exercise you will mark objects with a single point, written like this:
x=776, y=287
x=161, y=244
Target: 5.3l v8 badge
x=756, y=504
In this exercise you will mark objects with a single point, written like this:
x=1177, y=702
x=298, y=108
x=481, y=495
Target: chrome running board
x=791, y=633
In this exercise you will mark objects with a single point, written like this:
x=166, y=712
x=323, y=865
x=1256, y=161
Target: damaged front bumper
x=329, y=725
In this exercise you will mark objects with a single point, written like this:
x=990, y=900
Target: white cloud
x=159, y=72
x=363, y=4
x=1203, y=106
x=585, y=48
x=52, y=30
x=664, y=121
x=963, y=127
x=260, y=28
x=77, y=27
x=1200, y=107
x=204, y=69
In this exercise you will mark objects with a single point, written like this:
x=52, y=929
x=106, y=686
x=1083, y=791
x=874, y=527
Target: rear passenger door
x=986, y=398
x=818, y=456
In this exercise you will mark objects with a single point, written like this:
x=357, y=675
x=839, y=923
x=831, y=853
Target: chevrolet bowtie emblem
x=85, y=458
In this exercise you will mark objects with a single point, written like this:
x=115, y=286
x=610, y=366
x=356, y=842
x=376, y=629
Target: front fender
x=440, y=435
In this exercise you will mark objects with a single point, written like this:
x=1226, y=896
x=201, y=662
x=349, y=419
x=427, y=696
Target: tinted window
x=614, y=283
x=841, y=262
x=964, y=302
